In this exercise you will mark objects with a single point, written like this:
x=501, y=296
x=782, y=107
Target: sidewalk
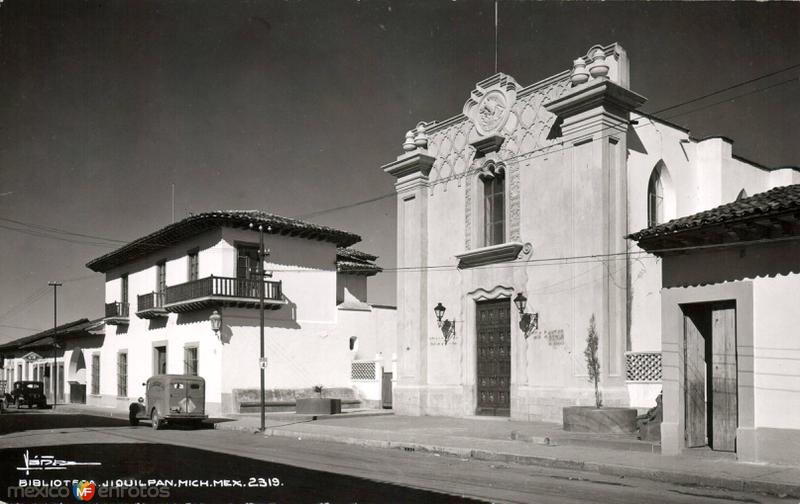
x=543, y=445
x=503, y=440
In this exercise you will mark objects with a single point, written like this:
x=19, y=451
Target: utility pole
x=55, y=286
x=262, y=362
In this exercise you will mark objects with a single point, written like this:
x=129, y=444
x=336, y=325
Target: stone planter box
x=319, y=406
x=605, y=420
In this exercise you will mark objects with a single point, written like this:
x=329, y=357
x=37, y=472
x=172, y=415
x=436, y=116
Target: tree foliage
x=592, y=360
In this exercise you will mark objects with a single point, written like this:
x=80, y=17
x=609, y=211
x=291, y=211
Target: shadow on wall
x=157, y=323
x=729, y=265
x=283, y=318
x=634, y=142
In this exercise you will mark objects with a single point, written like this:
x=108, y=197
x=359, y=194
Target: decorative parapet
x=643, y=367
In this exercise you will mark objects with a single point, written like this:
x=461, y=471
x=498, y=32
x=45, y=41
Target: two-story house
x=511, y=225
x=165, y=290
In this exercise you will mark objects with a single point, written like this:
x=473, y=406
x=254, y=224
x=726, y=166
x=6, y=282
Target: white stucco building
x=729, y=318
x=531, y=190
x=162, y=289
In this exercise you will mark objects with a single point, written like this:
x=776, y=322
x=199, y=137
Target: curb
x=684, y=479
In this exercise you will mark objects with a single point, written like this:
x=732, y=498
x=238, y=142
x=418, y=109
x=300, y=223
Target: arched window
x=494, y=207
x=661, y=205
x=742, y=194
x=655, y=198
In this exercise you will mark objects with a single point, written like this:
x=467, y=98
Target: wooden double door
x=710, y=369
x=494, y=357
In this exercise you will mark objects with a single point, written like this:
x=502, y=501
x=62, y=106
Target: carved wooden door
x=494, y=357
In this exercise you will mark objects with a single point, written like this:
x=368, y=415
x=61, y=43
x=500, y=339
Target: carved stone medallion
x=490, y=103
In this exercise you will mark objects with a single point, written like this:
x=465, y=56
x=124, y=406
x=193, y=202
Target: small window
x=124, y=290
x=247, y=262
x=161, y=278
x=194, y=266
x=96, y=374
x=122, y=375
x=190, y=360
x=354, y=343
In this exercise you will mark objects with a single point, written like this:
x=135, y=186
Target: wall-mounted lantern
x=448, y=327
x=216, y=321
x=528, y=322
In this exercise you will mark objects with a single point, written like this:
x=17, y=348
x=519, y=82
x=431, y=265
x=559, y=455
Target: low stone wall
x=249, y=400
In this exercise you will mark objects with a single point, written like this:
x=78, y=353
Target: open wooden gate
x=711, y=399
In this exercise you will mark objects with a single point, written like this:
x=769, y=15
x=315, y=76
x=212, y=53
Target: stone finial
x=409, y=145
x=598, y=68
x=579, y=73
x=421, y=138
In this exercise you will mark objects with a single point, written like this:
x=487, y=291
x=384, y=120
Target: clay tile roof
x=76, y=327
x=778, y=201
x=354, y=261
x=192, y=225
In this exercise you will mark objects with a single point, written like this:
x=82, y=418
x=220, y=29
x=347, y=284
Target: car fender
x=138, y=410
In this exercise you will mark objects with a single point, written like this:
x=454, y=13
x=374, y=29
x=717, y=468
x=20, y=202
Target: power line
x=542, y=151
x=60, y=231
x=759, y=90
x=740, y=84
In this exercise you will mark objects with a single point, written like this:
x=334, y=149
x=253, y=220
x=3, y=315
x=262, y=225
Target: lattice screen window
x=643, y=366
x=362, y=370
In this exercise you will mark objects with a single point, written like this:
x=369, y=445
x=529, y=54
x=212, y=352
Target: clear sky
x=292, y=107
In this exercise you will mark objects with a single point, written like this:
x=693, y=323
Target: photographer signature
x=49, y=463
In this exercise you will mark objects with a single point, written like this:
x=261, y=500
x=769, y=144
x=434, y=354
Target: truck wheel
x=155, y=420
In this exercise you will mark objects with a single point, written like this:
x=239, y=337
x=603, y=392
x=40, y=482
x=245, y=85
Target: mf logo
x=84, y=490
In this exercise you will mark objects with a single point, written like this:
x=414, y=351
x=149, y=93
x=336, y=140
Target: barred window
x=122, y=374
x=190, y=360
x=95, y=374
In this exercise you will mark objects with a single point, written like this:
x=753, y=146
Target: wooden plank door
x=386, y=390
x=695, y=384
x=494, y=357
x=723, y=377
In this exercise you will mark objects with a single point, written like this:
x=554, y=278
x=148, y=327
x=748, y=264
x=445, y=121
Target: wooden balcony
x=222, y=291
x=151, y=305
x=117, y=313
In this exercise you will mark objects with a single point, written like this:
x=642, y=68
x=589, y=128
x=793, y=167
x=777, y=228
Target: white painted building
x=729, y=318
x=162, y=289
x=531, y=190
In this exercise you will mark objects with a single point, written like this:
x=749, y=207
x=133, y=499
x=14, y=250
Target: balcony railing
x=212, y=290
x=117, y=313
x=150, y=305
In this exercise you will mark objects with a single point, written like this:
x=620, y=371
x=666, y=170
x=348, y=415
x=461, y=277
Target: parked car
x=171, y=398
x=29, y=393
